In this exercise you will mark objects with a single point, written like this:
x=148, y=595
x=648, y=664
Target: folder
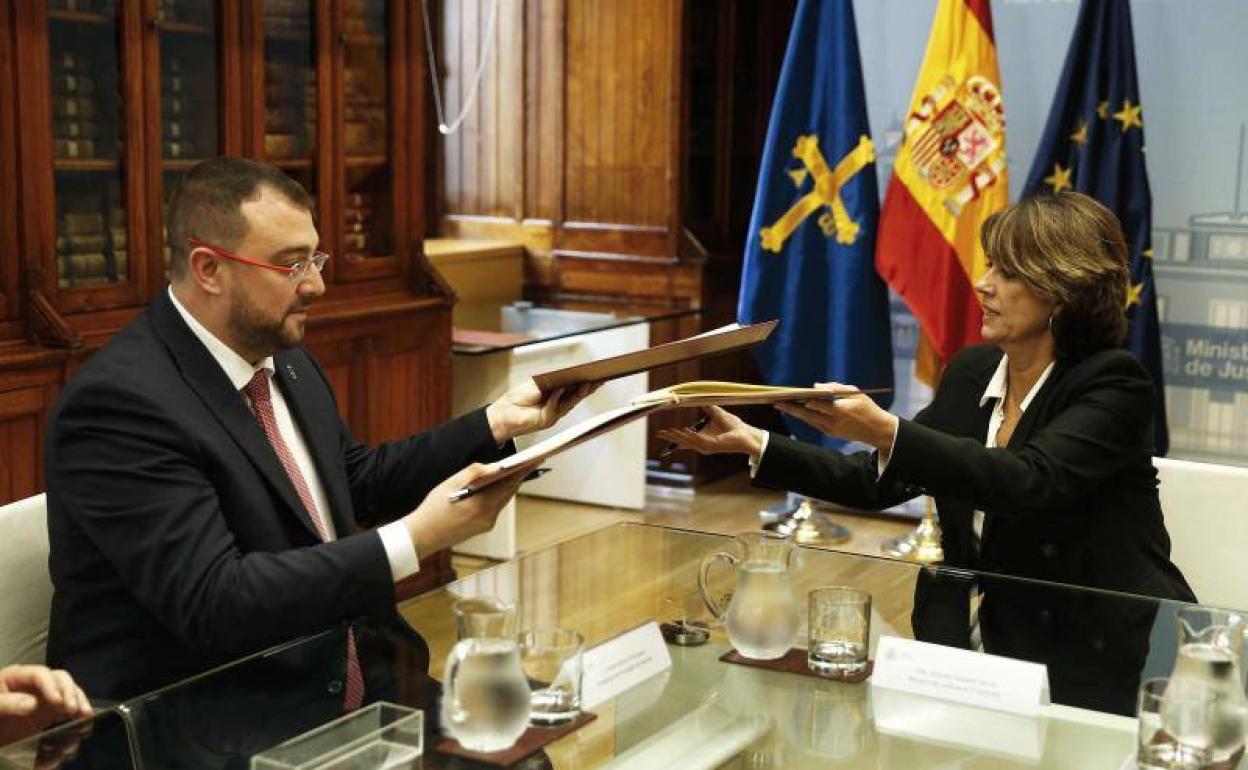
x=685, y=394
x=725, y=339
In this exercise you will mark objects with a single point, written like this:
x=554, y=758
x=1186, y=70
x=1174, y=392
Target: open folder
x=685, y=394
x=725, y=339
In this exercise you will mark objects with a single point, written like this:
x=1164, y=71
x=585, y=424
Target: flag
x=811, y=243
x=948, y=177
x=1094, y=143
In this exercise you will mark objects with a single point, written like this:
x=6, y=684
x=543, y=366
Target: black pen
x=463, y=493
x=702, y=422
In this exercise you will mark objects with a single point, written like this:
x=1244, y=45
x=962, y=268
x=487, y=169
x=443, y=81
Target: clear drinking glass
x=839, y=629
x=552, y=661
x=483, y=617
x=1175, y=724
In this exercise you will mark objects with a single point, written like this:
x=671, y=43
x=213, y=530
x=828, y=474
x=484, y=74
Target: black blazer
x=1071, y=499
x=178, y=541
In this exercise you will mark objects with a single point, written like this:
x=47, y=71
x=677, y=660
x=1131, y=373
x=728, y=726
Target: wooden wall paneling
x=544, y=129
x=401, y=125
x=230, y=75
x=33, y=111
x=449, y=169
x=9, y=273
x=23, y=413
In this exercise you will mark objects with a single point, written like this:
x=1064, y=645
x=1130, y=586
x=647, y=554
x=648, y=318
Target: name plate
x=962, y=676
x=623, y=662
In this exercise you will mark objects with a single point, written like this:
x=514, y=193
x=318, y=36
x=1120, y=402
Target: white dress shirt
x=400, y=551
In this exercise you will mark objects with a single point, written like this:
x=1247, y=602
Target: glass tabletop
x=701, y=712
x=490, y=326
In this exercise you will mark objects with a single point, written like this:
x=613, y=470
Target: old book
x=725, y=339
x=685, y=394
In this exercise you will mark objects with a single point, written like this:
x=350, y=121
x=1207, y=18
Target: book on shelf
x=686, y=394
x=725, y=339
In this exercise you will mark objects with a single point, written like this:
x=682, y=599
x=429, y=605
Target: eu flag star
x=1129, y=115
x=1134, y=292
x=1080, y=137
x=1102, y=110
x=1060, y=178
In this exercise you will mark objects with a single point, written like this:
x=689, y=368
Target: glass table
x=699, y=713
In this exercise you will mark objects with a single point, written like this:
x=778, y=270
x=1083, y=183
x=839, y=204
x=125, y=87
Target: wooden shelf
x=366, y=161
x=86, y=164
x=81, y=17
x=180, y=164
x=362, y=38
x=299, y=38
x=186, y=28
x=292, y=164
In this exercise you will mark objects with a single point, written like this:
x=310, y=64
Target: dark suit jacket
x=178, y=542
x=1071, y=499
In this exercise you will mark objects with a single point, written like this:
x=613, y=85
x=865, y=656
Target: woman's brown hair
x=1069, y=249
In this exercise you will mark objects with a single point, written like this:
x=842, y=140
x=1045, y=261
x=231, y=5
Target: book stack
x=77, y=131
x=177, y=136
x=288, y=18
x=364, y=17
x=91, y=248
x=286, y=122
x=358, y=220
x=364, y=129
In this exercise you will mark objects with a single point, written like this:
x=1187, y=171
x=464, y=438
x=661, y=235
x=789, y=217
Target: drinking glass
x=552, y=661
x=839, y=629
x=1175, y=724
x=483, y=617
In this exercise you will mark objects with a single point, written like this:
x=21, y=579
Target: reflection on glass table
x=701, y=712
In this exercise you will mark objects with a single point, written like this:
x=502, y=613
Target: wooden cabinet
x=106, y=104
x=620, y=143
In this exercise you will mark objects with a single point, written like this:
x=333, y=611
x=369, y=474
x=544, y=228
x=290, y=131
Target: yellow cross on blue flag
x=1094, y=144
x=810, y=254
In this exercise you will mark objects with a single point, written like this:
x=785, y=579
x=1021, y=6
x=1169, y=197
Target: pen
x=465, y=492
x=702, y=422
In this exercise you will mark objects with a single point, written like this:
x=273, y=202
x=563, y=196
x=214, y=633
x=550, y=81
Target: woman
x=1037, y=448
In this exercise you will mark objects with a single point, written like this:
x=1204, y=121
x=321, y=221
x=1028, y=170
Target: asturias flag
x=1094, y=143
x=949, y=176
x=809, y=260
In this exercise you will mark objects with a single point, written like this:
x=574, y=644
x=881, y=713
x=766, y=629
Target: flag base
x=796, y=517
x=921, y=544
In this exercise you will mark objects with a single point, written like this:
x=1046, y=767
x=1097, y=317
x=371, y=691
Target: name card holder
x=623, y=662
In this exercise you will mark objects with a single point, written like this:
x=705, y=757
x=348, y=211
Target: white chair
x=25, y=585
x=1206, y=510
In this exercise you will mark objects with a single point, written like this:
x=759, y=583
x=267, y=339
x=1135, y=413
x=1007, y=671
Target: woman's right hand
x=725, y=433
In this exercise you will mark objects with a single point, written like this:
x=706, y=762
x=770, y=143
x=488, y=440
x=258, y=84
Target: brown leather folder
x=726, y=339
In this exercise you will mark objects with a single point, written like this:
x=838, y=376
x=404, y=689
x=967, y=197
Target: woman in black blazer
x=1037, y=449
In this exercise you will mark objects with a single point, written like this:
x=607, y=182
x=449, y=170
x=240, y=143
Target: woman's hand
x=725, y=433
x=851, y=417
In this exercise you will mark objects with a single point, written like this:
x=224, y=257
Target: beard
x=261, y=332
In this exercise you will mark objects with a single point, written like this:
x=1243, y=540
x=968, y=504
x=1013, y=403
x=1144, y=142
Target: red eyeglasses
x=295, y=271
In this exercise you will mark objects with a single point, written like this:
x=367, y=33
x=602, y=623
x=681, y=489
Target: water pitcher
x=485, y=696
x=1211, y=651
x=762, y=616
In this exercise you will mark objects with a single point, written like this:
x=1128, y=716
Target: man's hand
x=438, y=523
x=725, y=433
x=523, y=409
x=33, y=698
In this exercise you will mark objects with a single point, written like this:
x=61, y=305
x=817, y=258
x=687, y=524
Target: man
x=204, y=497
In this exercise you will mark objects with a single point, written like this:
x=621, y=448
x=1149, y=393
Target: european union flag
x=810, y=254
x=1094, y=143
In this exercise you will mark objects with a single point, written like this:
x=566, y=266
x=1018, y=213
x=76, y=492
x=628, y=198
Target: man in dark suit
x=205, y=500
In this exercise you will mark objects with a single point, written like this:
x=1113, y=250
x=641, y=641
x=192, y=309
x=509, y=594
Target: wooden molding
x=47, y=326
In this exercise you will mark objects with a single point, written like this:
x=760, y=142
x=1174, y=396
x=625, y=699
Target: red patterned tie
x=262, y=404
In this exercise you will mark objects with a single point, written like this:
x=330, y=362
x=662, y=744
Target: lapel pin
x=290, y=369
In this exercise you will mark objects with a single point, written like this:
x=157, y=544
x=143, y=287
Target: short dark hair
x=1068, y=248
x=208, y=204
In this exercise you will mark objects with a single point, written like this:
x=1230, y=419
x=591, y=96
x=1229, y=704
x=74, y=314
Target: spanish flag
x=949, y=176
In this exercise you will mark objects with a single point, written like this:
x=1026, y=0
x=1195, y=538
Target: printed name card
x=962, y=676
x=620, y=663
